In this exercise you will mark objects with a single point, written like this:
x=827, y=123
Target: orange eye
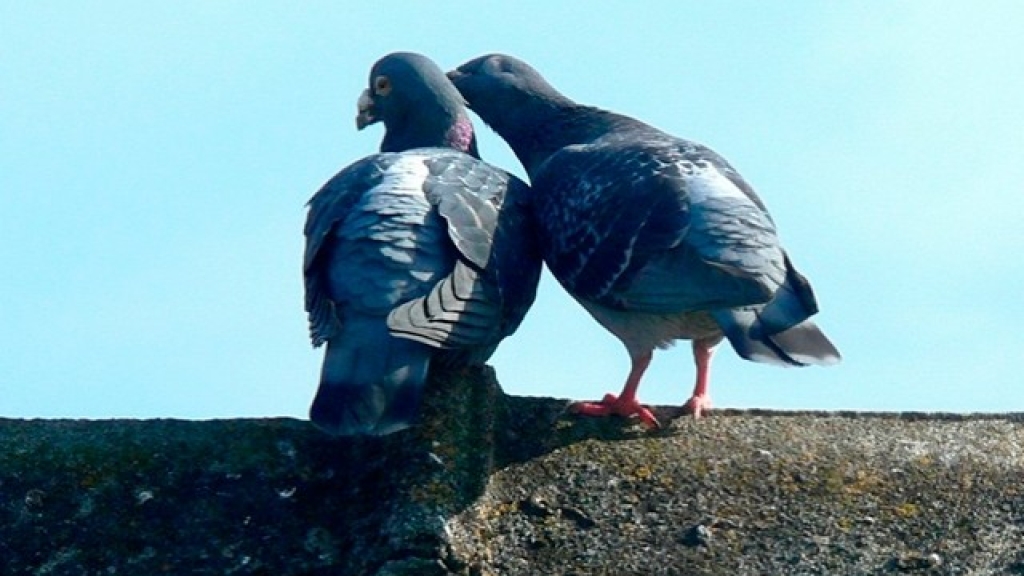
x=381, y=86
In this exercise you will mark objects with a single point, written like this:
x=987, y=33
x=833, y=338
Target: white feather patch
x=405, y=177
x=706, y=182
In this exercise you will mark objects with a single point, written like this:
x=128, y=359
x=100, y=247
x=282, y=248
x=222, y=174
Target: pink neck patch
x=461, y=134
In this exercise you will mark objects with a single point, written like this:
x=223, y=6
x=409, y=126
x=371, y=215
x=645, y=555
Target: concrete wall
x=490, y=484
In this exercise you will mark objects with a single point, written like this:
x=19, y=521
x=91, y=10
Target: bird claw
x=698, y=405
x=612, y=404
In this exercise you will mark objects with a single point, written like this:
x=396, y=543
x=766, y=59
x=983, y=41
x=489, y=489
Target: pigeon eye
x=381, y=85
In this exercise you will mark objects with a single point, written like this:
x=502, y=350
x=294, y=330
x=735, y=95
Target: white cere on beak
x=365, y=102
x=364, y=107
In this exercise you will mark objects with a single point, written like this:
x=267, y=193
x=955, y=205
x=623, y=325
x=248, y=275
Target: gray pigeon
x=659, y=238
x=420, y=254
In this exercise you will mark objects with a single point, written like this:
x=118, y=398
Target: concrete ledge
x=493, y=484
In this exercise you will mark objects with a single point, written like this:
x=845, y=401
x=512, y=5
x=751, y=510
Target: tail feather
x=778, y=331
x=799, y=345
x=806, y=344
x=792, y=303
x=370, y=384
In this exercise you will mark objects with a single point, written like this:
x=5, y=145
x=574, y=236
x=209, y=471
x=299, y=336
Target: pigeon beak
x=454, y=76
x=365, y=112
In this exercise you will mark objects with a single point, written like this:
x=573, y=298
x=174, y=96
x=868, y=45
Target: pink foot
x=612, y=404
x=698, y=405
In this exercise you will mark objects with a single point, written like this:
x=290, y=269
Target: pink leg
x=625, y=404
x=700, y=402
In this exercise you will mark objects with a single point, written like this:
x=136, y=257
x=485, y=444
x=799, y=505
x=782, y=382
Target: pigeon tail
x=792, y=303
x=799, y=345
x=370, y=384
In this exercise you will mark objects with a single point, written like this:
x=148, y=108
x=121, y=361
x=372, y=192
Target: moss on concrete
x=492, y=484
x=743, y=493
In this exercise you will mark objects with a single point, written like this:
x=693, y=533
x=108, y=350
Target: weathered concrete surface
x=507, y=485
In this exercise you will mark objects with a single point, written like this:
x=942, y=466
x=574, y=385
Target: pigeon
x=421, y=254
x=657, y=237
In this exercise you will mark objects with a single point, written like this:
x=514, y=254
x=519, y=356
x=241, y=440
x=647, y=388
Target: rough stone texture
x=505, y=485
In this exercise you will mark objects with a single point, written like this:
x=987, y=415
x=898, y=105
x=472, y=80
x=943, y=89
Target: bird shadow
x=532, y=427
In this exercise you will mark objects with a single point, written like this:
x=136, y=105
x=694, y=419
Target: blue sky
x=155, y=160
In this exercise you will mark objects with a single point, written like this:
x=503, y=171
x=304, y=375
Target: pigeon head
x=417, y=104
x=514, y=100
x=499, y=87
